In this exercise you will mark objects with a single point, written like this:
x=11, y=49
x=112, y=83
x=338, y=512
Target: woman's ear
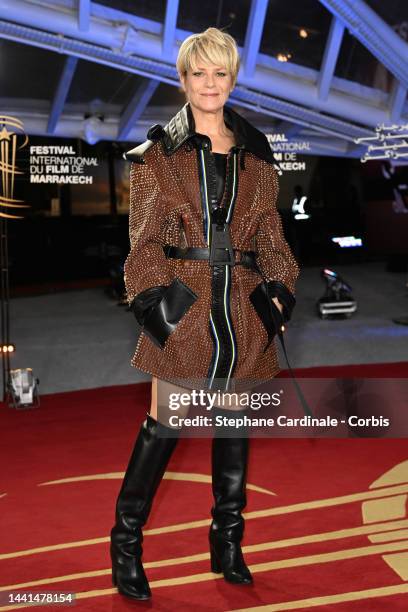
x=182, y=81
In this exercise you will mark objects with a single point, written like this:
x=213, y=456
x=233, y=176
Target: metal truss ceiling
x=327, y=105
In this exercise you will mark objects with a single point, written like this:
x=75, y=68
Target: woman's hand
x=277, y=304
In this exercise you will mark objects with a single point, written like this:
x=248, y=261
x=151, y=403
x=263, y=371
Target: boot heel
x=215, y=564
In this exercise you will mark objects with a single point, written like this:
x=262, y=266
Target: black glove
x=288, y=301
x=145, y=301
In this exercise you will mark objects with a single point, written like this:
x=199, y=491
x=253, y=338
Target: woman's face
x=208, y=87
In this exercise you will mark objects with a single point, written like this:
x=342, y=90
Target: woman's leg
x=151, y=453
x=234, y=401
x=229, y=458
x=153, y=402
x=162, y=392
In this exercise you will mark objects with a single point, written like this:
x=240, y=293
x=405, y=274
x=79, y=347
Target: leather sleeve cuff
x=145, y=300
x=286, y=298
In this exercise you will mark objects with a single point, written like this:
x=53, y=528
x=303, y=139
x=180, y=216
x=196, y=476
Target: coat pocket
x=164, y=317
x=267, y=311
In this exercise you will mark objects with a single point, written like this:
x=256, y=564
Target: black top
x=221, y=166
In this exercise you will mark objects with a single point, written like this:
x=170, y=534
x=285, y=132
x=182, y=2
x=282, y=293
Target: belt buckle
x=221, y=251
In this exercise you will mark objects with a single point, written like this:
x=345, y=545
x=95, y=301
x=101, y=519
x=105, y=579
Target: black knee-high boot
x=229, y=471
x=148, y=462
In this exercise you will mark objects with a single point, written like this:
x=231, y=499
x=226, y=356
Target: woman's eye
x=221, y=74
x=196, y=73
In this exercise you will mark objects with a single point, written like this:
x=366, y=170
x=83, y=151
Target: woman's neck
x=210, y=123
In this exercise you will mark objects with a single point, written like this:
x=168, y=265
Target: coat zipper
x=230, y=193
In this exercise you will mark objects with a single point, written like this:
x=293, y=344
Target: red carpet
x=398, y=369
x=333, y=536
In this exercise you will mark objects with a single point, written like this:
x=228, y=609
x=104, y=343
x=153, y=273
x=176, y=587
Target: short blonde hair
x=213, y=46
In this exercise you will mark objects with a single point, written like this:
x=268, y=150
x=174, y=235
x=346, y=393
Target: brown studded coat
x=219, y=334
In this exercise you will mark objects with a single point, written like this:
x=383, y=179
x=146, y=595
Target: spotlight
x=303, y=33
x=337, y=300
x=281, y=57
x=23, y=388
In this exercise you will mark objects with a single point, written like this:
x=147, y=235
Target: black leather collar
x=181, y=128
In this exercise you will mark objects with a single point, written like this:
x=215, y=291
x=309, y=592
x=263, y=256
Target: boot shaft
x=229, y=456
x=151, y=454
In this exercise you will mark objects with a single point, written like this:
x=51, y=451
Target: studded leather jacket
x=214, y=261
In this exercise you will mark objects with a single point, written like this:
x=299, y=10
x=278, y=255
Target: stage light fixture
x=23, y=388
x=303, y=33
x=337, y=300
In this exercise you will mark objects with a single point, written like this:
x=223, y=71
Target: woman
x=210, y=279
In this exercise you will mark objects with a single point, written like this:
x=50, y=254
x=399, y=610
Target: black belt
x=243, y=258
x=247, y=259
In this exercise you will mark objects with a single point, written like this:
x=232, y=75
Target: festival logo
x=389, y=142
x=286, y=151
x=11, y=133
x=59, y=165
